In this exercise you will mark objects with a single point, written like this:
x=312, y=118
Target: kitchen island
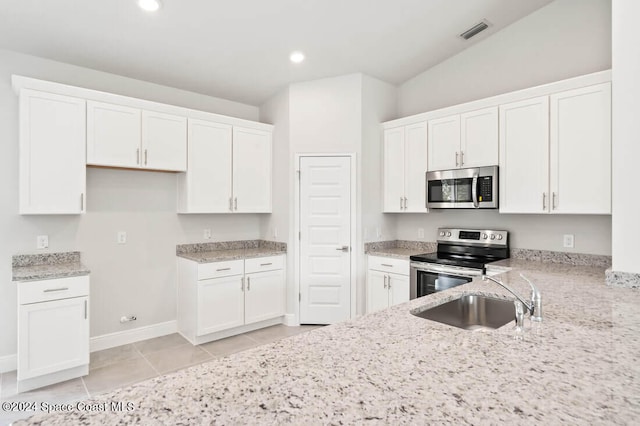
x=579, y=366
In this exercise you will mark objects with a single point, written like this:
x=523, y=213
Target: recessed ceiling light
x=149, y=5
x=296, y=57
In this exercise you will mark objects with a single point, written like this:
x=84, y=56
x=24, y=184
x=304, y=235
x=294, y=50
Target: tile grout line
x=86, y=389
x=146, y=360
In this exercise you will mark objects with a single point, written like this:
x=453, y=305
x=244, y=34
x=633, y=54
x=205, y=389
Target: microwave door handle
x=474, y=191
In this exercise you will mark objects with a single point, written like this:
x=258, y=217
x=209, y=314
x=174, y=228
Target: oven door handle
x=446, y=270
x=474, y=191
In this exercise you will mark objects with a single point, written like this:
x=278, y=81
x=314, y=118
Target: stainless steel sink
x=472, y=312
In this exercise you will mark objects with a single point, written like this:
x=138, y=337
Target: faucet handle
x=536, y=300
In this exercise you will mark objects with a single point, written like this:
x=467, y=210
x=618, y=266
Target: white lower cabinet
x=221, y=299
x=53, y=331
x=387, y=282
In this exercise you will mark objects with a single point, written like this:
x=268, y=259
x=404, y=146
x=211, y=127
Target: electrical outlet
x=420, y=232
x=275, y=232
x=122, y=237
x=378, y=233
x=42, y=241
x=207, y=234
x=568, y=241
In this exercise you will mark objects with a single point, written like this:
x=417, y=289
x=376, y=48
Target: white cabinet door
x=524, y=156
x=415, y=167
x=398, y=289
x=206, y=186
x=444, y=143
x=581, y=150
x=164, y=141
x=113, y=135
x=393, y=182
x=52, y=336
x=52, y=153
x=264, y=296
x=479, y=138
x=377, y=292
x=251, y=170
x=220, y=304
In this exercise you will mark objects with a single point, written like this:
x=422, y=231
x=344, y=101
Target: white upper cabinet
x=229, y=170
x=580, y=142
x=251, y=170
x=164, y=141
x=121, y=136
x=464, y=140
x=479, y=138
x=206, y=186
x=113, y=135
x=555, y=153
x=405, y=161
x=444, y=143
x=52, y=153
x=524, y=156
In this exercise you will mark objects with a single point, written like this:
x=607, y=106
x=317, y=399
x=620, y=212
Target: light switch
x=421, y=233
x=207, y=234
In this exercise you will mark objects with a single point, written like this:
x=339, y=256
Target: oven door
x=427, y=278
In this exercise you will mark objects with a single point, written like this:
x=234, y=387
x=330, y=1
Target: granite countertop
x=230, y=250
x=579, y=366
x=400, y=249
x=35, y=267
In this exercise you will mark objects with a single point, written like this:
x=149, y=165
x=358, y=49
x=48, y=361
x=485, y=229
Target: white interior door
x=325, y=239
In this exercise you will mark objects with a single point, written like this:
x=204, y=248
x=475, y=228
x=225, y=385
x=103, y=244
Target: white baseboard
x=290, y=320
x=8, y=363
x=120, y=338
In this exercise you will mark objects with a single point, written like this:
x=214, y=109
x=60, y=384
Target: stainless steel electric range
x=462, y=254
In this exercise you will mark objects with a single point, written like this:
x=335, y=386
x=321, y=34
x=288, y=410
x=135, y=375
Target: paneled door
x=325, y=239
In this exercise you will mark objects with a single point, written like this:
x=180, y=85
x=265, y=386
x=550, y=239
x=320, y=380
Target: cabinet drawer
x=60, y=288
x=389, y=264
x=220, y=269
x=260, y=264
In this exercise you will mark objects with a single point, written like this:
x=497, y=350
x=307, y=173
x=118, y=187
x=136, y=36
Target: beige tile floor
x=125, y=365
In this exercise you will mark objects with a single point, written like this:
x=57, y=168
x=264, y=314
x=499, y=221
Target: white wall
x=626, y=135
x=136, y=278
x=564, y=39
x=276, y=111
x=378, y=106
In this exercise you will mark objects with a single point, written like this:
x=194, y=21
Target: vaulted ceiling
x=239, y=49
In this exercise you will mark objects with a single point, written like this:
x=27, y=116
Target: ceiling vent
x=476, y=29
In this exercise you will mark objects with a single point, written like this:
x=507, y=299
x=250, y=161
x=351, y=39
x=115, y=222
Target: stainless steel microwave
x=474, y=188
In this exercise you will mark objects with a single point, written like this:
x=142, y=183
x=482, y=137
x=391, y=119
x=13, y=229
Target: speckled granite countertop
x=579, y=366
x=35, y=267
x=400, y=249
x=230, y=250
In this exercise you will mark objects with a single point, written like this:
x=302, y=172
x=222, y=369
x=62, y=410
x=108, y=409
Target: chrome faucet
x=534, y=307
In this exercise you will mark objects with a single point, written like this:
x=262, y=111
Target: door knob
x=343, y=248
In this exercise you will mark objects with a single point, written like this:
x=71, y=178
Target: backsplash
x=230, y=245
x=22, y=260
x=578, y=259
x=422, y=246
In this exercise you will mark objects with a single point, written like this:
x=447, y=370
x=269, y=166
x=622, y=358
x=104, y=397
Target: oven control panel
x=473, y=236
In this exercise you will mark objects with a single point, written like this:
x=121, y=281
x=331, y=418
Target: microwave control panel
x=485, y=188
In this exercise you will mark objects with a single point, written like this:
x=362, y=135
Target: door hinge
x=299, y=297
x=298, y=171
x=299, y=235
